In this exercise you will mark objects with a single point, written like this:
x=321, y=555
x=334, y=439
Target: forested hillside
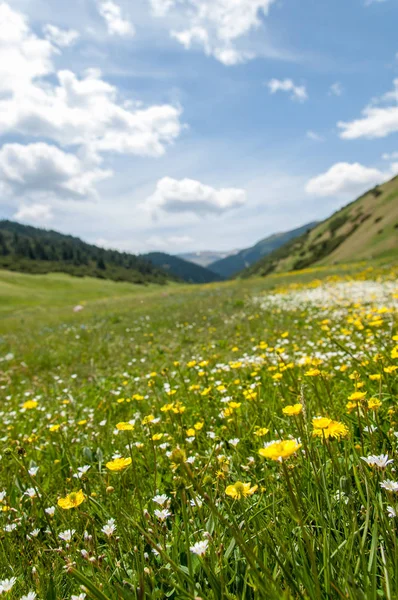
x=183, y=269
x=32, y=250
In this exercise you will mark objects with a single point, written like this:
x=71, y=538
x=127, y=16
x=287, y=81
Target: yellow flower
x=394, y=351
x=191, y=432
x=375, y=377
x=357, y=396
x=54, y=427
x=72, y=500
x=391, y=369
x=82, y=422
x=157, y=436
x=148, y=419
x=321, y=422
x=29, y=404
x=124, y=426
x=334, y=429
x=199, y=425
x=240, y=490
x=294, y=409
x=374, y=403
x=312, y=372
x=350, y=406
x=261, y=431
x=118, y=464
x=280, y=449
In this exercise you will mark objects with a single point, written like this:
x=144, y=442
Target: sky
x=186, y=125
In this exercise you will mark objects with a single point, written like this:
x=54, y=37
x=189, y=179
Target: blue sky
x=181, y=125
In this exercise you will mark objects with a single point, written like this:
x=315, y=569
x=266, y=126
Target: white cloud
x=297, y=92
x=190, y=196
x=43, y=171
x=214, y=25
x=376, y=121
x=346, y=179
x=390, y=156
x=60, y=37
x=39, y=214
x=336, y=89
x=369, y=2
x=23, y=56
x=112, y=14
x=167, y=242
x=314, y=136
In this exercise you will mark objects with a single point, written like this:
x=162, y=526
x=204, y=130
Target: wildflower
x=161, y=500
x=280, y=450
x=335, y=429
x=374, y=403
x=29, y=404
x=125, y=426
x=33, y=471
x=72, y=500
x=234, y=442
x=109, y=528
x=312, y=373
x=378, y=461
x=67, y=535
x=29, y=596
x=321, y=422
x=240, y=490
x=292, y=410
x=6, y=585
x=390, y=486
x=357, y=396
x=79, y=597
x=118, y=464
x=261, y=431
x=50, y=511
x=30, y=492
x=391, y=512
x=81, y=471
x=199, y=548
x=163, y=514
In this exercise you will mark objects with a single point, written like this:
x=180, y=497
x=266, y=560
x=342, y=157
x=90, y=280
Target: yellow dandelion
x=357, y=396
x=29, y=404
x=280, y=450
x=374, y=403
x=123, y=426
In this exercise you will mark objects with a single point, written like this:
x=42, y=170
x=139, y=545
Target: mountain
x=32, y=250
x=363, y=230
x=205, y=257
x=229, y=266
x=183, y=269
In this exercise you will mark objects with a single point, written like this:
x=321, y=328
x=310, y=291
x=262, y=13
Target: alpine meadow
x=198, y=300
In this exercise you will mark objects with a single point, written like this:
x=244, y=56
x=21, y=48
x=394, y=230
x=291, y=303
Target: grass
x=190, y=386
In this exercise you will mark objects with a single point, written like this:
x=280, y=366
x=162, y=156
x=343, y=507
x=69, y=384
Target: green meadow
x=228, y=441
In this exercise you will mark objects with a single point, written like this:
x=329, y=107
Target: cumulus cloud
x=23, y=56
x=190, y=196
x=43, y=171
x=83, y=112
x=60, y=37
x=39, y=214
x=112, y=15
x=379, y=119
x=346, y=179
x=214, y=25
x=297, y=92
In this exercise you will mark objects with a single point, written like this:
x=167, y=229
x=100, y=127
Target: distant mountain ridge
x=183, y=269
x=365, y=229
x=205, y=258
x=231, y=265
x=32, y=250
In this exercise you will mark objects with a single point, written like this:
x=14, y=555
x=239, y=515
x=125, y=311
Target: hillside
x=204, y=258
x=363, y=230
x=231, y=265
x=183, y=269
x=32, y=250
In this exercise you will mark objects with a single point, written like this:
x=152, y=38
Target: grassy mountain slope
x=231, y=265
x=363, y=230
x=32, y=250
x=183, y=269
